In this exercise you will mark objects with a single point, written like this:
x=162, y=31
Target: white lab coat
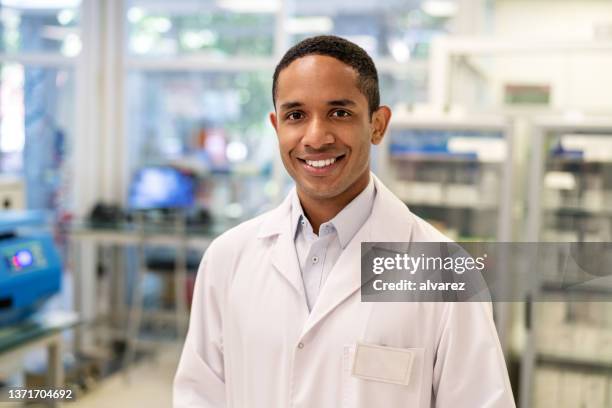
x=253, y=343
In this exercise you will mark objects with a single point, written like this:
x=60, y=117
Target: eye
x=341, y=113
x=294, y=115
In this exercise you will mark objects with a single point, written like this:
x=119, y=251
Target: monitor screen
x=160, y=187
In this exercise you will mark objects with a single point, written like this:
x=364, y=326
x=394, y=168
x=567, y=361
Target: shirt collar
x=348, y=221
x=296, y=212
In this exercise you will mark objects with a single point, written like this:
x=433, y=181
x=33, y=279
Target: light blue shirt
x=317, y=254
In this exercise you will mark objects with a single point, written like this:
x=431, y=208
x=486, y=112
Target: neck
x=321, y=210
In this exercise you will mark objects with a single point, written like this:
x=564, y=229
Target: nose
x=317, y=134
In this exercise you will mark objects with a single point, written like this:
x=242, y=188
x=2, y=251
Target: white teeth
x=320, y=163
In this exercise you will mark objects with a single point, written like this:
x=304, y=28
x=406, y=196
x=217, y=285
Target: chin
x=323, y=195
x=324, y=192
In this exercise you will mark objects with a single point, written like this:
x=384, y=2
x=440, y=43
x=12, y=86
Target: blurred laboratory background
x=132, y=132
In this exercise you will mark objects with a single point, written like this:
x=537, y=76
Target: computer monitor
x=161, y=187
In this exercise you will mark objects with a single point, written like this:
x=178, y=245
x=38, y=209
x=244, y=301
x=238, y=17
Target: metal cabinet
x=454, y=172
x=567, y=359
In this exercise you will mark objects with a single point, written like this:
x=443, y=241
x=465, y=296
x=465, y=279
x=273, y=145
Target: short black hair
x=343, y=50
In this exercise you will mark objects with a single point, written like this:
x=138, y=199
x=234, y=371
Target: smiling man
x=277, y=318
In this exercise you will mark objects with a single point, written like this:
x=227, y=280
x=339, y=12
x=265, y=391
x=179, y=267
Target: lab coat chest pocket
x=375, y=375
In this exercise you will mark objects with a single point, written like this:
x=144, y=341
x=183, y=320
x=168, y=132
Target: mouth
x=321, y=166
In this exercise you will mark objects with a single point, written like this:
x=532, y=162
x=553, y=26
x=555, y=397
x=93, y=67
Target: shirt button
x=303, y=222
x=315, y=259
x=301, y=345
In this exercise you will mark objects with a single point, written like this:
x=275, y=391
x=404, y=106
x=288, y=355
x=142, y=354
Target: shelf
x=579, y=211
x=481, y=123
x=576, y=160
x=583, y=289
x=442, y=204
x=433, y=194
x=574, y=363
x=563, y=124
x=441, y=158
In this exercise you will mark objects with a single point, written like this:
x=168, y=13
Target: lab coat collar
x=390, y=221
x=276, y=226
x=274, y=221
x=346, y=223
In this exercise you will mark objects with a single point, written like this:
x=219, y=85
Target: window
x=215, y=118
x=38, y=40
x=401, y=29
x=219, y=29
x=36, y=123
x=39, y=26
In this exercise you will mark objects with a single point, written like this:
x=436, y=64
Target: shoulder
x=239, y=236
x=424, y=231
x=399, y=223
x=223, y=255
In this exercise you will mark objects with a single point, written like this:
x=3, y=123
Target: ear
x=380, y=121
x=273, y=121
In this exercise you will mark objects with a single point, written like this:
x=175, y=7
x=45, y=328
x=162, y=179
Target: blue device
x=30, y=266
x=161, y=187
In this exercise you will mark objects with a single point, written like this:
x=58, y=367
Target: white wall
x=551, y=19
x=579, y=80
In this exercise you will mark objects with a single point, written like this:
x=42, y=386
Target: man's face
x=323, y=126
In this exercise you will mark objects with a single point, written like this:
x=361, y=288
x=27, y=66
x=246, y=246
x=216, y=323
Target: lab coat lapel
x=390, y=221
x=284, y=260
x=277, y=227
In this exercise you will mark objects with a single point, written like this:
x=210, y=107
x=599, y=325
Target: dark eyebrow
x=290, y=105
x=335, y=102
x=342, y=102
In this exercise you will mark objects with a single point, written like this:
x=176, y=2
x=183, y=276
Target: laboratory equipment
x=30, y=265
x=162, y=187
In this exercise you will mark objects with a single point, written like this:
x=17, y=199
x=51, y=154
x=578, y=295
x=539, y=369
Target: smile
x=320, y=163
x=321, y=167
